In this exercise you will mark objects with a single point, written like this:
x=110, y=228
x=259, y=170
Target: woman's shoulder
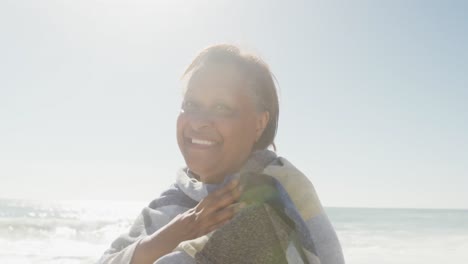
x=298, y=186
x=282, y=167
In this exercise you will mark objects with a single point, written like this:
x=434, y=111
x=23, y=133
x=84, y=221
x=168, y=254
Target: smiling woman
x=235, y=201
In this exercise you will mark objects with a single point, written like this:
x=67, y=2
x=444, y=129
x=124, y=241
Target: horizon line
x=146, y=202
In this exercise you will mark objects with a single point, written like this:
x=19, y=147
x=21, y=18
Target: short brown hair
x=257, y=72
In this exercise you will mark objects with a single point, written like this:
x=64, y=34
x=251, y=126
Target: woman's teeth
x=202, y=142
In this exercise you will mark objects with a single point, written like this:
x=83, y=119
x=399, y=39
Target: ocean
x=79, y=231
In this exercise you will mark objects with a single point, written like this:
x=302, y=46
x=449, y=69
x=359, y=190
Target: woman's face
x=218, y=123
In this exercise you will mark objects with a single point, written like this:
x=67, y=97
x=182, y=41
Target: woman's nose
x=200, y=120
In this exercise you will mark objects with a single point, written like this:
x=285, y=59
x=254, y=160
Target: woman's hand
x=213, y=211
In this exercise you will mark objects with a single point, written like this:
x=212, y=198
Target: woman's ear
x=262, y=122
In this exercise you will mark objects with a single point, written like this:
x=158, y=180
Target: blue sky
x=373, y=95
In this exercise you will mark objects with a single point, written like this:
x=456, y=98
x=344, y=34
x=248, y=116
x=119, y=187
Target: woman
x=236, y=201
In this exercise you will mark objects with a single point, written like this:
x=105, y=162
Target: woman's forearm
x=151, y=248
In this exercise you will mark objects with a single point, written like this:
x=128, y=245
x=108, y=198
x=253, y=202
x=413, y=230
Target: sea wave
x=92, y=221
x=19, y=228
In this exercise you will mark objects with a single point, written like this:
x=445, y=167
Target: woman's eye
x=217, y=111
x=222, y=108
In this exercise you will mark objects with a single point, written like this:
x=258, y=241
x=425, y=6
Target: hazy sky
x=373, y=94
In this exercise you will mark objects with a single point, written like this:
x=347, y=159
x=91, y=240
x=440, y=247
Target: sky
x=373, y=95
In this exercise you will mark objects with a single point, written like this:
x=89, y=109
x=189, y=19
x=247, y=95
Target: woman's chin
x=206, y=174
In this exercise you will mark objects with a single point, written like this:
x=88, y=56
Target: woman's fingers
x=228, y=188
x=226, y=200
x=216, y=226
x=216, y=209
x=220, y=198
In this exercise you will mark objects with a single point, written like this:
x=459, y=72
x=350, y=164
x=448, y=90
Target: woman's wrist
x=160, y=243
x=168, y=235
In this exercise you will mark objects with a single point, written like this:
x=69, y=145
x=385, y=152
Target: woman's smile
x=202, y=142
x=198, y=143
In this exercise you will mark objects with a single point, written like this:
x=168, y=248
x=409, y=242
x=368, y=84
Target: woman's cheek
x=180, y=124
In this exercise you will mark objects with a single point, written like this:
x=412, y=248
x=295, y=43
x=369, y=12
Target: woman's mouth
x=200, y=143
